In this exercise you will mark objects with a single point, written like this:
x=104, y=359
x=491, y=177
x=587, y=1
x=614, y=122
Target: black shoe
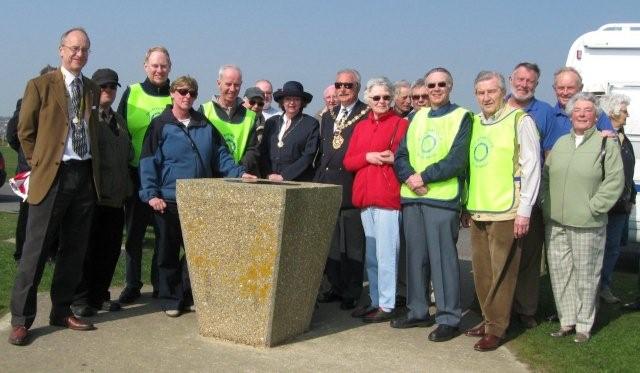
x=129, y=295
x=328, y=297
x=348, y=304
x=633, y=306
x=110, y=306
x=83, y=310
x=378, y=315
x=443, y=333
x=406, y=322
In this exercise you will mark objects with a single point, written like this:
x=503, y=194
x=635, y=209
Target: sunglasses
x=111, y=86
x=339, y=85
x=184, y=91
x=259, y=103
x=439, y=84
x=418, y=97
x=378, y=98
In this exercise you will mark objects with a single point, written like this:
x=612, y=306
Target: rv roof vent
x=620, y=27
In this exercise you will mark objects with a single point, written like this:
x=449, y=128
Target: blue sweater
x=168, y=155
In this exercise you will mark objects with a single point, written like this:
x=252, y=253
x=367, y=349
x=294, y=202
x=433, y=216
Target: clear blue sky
x=303, y=40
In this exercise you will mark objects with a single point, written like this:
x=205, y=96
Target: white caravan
x=609, y=61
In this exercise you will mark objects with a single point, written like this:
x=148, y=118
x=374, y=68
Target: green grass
x=10, y=160
x=614, y=345
x=8, y=265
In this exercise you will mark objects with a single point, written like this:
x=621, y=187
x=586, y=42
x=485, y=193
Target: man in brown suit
x=57, y=131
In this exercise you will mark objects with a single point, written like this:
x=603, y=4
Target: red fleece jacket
x=375, y=185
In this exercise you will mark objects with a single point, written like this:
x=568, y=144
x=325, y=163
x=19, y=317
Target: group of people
x=413, y=167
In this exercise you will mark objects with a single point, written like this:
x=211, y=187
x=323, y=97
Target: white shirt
x=341, y=113
x=271, y=111
x=69, y=153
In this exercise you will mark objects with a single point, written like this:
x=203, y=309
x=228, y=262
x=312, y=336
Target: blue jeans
x=615, y=230
x=382, y=243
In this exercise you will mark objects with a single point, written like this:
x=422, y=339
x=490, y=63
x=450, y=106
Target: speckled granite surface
x=256, y=253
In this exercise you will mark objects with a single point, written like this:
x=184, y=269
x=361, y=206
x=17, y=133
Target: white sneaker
x=172, y=313
x=608, y=297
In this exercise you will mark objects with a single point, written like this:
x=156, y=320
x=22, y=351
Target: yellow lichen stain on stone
x=256, y=282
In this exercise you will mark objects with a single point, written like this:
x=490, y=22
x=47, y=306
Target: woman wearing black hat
x=290, y=140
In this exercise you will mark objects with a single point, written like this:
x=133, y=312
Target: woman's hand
x=158, y=204
x=387, y=157
x=374, y=158
x=248, y=176
x=275, y=177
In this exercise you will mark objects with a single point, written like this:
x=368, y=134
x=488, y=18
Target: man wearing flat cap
x=254, y=100
x=105, y=239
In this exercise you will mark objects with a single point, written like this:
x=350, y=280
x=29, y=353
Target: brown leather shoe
x=477, y=331
x=18, y=336
x=73, y=323
x=488, y=343
x=363, y=311
x=378, y=315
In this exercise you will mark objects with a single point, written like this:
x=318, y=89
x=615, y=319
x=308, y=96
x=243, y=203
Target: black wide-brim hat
x=292, y=89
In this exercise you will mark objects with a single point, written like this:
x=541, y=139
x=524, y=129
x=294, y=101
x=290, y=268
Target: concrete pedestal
x=256, y=252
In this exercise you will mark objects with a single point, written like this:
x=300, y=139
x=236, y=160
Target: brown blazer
x=43, y=128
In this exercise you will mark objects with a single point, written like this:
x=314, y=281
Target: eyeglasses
x=418, y=97
x=184, y=91
x=439, y=84
x=76, y=50
x=111, y=86
x=259, y=103
x=378, y=98
x=339, y=85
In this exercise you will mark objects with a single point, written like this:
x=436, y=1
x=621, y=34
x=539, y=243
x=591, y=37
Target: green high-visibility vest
x=141, y=109
x=429, y=141
x=235, y=135
x=491, y=164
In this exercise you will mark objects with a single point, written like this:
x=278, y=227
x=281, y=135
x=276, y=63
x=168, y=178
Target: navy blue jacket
x=168, y=154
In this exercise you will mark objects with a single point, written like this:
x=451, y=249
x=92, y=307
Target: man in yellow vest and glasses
x=504, y=177
x=140, y=103
x=432, y=161
x=236, y=124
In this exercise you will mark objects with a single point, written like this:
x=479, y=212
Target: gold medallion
x=338, y=140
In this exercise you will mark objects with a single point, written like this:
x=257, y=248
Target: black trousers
x=66, y=209
x=345, y=267
x=174, y=286
x=138, y=216
x=102, y=256
x=21, y=233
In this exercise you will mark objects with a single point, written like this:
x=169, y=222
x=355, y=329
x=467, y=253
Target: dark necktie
x=78, y=131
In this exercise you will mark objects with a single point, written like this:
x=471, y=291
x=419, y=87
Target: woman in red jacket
x=376, y=191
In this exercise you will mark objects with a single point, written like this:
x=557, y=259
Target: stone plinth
x=256, y=252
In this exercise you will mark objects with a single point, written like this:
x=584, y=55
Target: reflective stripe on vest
x=141, y=109
x=491, y=164
x=235, y=135
x=429, y=141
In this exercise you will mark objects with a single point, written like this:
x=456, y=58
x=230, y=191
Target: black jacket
x=329, y=160
x=14, y=142
x=294, y=160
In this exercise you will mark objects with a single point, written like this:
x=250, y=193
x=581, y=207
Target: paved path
x=141, y=338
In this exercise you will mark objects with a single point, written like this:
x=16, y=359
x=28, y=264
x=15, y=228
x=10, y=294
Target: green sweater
x=573, y=190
